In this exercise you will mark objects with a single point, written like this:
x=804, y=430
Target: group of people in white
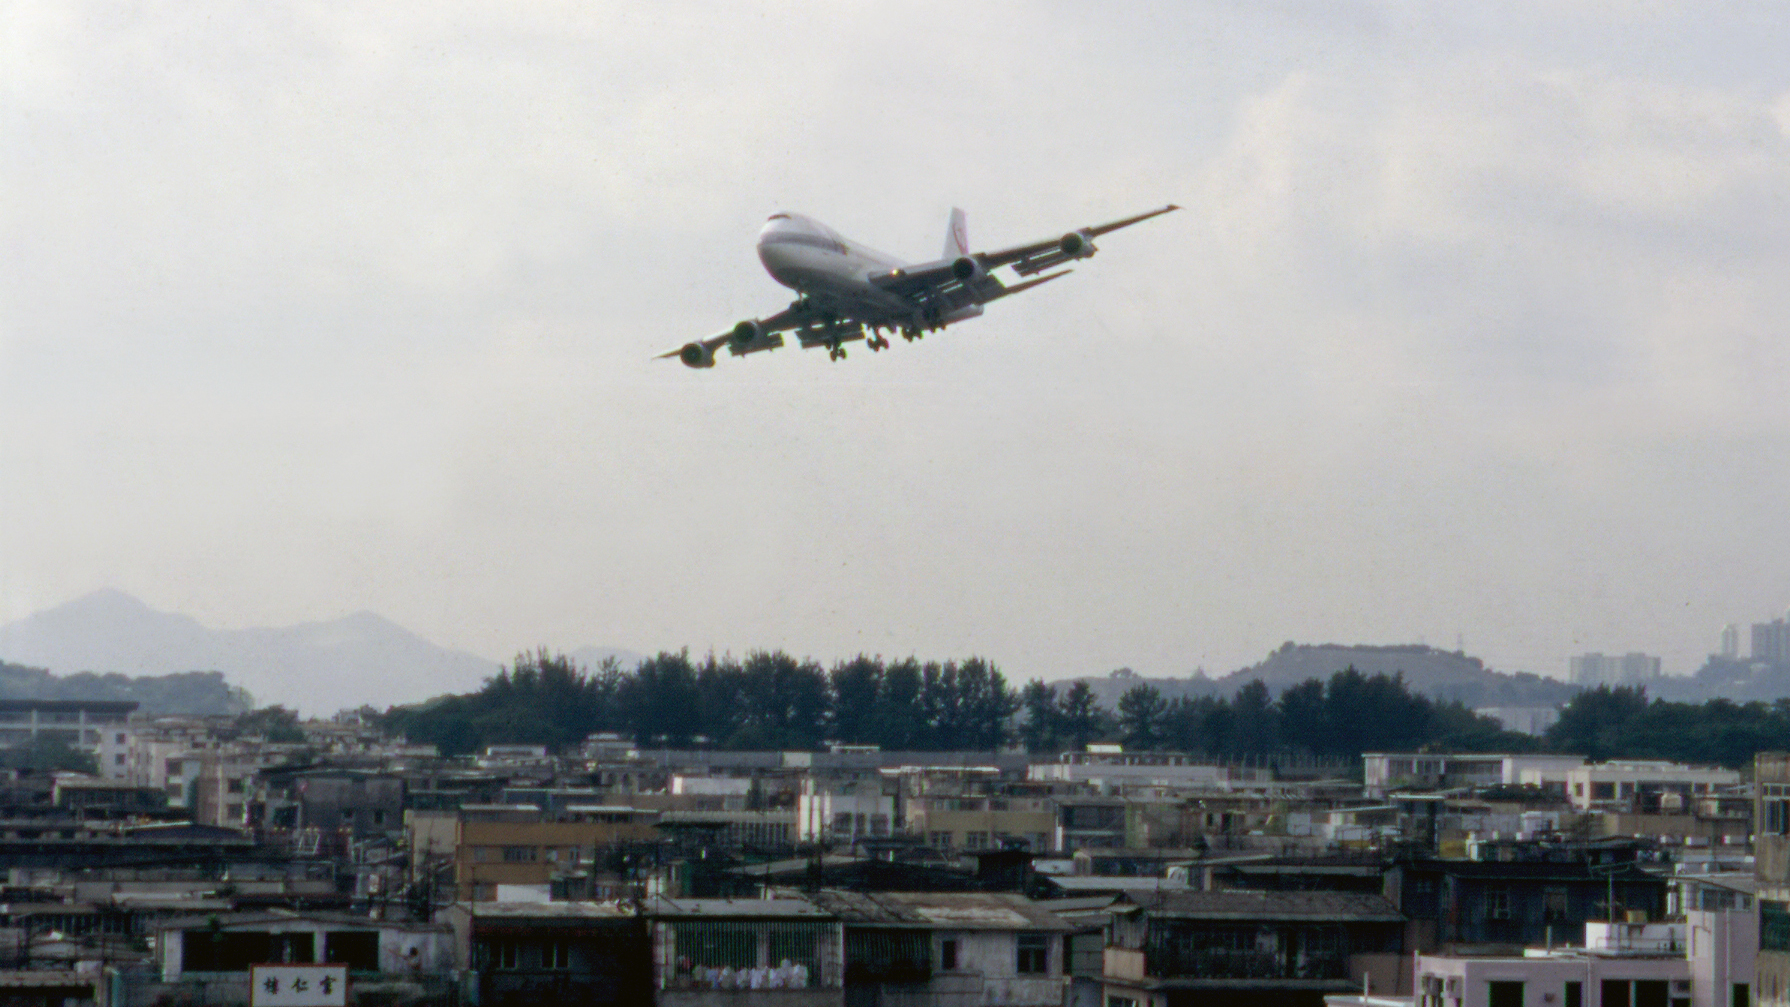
x=788, y=975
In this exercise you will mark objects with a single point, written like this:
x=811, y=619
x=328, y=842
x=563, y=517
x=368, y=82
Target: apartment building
x=99, y=728
x=1643, y=786
x=502, y=844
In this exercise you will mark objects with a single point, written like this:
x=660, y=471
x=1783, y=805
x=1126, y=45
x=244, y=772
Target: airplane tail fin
x=957, y=238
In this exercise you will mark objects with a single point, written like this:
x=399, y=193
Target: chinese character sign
x=298, y=986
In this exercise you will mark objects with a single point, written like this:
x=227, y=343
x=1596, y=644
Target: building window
x=1497, y=905
x=1774, y=925
x=508, y=955
x=1504, y=993
x=948, y=955
x=520, y=854
x=481, y=854
x=1554, y=903
x=556, y=955
x=1034, y=954
x=1575, y=994
x=234, y=786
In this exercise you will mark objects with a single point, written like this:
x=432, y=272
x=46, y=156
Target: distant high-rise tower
x=1730, y=642
x=1771, y=641
x=1592, y=670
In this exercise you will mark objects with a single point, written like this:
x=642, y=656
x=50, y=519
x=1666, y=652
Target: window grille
x=888, y=956
x=748, y=955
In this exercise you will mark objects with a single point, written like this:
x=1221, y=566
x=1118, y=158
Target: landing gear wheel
x=836, y=354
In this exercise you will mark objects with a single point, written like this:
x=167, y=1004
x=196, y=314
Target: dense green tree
x=783, y=703
x=1143, y=717
x=1304, y=714
x=273, y=723
x=982, y=705
x=1196, y=724
x=1253, y=728
x=855, y=685
x=1371, y=713
x=1040, y=729
x=899, y=719
x=1593, y=723
x=48, y=752
x=1454, y=728
x=1079, y=714
x=660, y=700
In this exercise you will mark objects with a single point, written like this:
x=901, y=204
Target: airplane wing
x=969, y=272
x=1041, y=255
x=746, y=337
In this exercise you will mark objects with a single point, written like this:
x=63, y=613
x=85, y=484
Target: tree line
x=1620, y=723
x=769, y=700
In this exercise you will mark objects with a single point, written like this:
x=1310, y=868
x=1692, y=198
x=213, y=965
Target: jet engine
x=967, y=269
x=1077, y=244
x=696, y=355
x=746, y=334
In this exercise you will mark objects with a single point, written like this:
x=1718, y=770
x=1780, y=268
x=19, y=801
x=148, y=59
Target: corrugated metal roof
x=940, y=910
x=551, y=910
x=736, y=908
x=1347, y=907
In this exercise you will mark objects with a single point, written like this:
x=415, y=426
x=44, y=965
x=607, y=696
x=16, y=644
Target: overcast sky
x=1473, y=327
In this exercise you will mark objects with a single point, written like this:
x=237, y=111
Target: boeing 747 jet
x=848, y=292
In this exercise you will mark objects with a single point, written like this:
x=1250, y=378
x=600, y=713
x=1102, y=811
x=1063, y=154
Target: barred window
x=745, y=955
x=1034, y=954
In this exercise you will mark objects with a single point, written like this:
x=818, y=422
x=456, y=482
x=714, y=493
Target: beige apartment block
x=482, y=846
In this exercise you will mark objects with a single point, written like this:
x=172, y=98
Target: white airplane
x=847, y=289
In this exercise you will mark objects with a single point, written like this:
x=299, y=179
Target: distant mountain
x=316, y=667
x=1438, y=674
x=191, y=692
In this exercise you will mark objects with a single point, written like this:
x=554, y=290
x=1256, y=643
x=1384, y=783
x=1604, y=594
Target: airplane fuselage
x=811, y=258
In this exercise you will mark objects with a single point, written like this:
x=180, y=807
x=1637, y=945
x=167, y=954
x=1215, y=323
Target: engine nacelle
x=746, y=334
x=967, y=269
x=696, y=355
x=1077, y=244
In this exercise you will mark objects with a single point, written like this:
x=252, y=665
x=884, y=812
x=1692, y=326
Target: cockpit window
x=779, y=216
